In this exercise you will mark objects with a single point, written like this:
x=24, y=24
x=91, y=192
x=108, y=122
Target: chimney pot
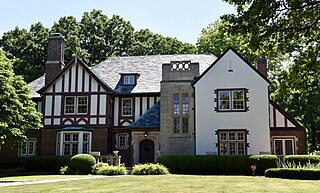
x=261, y=65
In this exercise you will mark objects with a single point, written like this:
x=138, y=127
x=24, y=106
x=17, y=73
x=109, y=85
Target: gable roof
x=286, y=115
x=109, y=71
x=240, y=56
x=149, y=69
x=36, y=85
x=151, y=118
x=75, y=61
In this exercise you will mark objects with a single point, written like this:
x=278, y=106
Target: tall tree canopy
x=29, y=47
x=94, y=38
x=287, y=26
x=17, y=110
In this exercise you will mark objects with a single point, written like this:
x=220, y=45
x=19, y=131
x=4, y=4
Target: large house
x=148, y=106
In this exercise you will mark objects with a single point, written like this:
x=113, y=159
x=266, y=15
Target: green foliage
x=11, y=172
x=170, y=162
x=50, y=164
x=65, y=170
x=149, y=169
x=28, y=48
x=17, y=110
x=94, y=38
x=287, y=27
x=105, y=169
x=184, y=163
x=301, y=160
x=218, y=164
x=215, y=39
x=262, y=162
x=82, y=164
x=98, y=166
x=293, y=173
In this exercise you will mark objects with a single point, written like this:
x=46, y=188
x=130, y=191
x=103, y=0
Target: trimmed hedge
x=50, y=164
x=293, y=173
x=218, y=164
x=302, y=160
x=82, y=164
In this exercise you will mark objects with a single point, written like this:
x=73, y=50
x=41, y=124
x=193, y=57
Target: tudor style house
x=148, y=106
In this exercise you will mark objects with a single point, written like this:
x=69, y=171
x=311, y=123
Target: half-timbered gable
x=287, y=135
x=76, y=96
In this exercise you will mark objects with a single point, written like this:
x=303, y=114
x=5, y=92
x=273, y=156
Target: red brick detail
x=100, y=140
x=9, y=154
x=298, y=133
x=48, y=145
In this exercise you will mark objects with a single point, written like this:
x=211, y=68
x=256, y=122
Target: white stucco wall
x=256, y=120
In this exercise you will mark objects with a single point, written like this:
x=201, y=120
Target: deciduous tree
x=287, y=26
x=17, y=110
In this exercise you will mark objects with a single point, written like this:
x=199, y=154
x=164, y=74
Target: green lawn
x=41, y=177
x=172, y=183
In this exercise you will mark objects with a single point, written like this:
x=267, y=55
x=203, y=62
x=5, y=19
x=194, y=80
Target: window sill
x=182, y=135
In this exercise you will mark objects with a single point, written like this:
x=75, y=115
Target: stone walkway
x=4, y=183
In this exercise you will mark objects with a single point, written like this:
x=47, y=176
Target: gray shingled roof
x=151, y=118
x=36, y=85
x=149, y=68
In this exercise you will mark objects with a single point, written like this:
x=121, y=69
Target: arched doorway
x=146, y=151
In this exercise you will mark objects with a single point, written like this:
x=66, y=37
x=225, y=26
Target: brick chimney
x=261, y=65
x=55, y=56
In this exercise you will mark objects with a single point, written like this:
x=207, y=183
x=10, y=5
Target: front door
x=146, y=151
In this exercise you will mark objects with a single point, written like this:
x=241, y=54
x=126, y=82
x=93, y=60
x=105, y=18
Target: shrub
x=218, y=164
x=98, y=166
x=293, y=173
x=302, y=160
x=184, y=164
x=105, y=169
x=262, y=163
x=82, y=164
x=50, y=164
x=170, y=162
x=149, y=169
x=64, y=170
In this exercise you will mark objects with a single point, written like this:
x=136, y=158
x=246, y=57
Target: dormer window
x=129, y=79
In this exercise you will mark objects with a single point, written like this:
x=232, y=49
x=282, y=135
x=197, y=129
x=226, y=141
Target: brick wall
x=299, y=133
x=48, y=144
x=100, y=140
x=10, y=154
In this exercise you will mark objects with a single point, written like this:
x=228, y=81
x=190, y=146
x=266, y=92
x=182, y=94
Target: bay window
x=73, y=142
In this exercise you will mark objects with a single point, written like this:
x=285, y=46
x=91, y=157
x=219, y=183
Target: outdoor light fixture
x=145, y=134
x=115, y=152
x=230, y=70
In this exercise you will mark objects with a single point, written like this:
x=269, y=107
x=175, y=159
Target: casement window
x=126, y=107
x=72, y=143
x=283, y=146
x=27, y=148
x=122, y=141
x=180, y=113
x=232, y=142
x=76, y=105
x=129, y=79
x=231, y=100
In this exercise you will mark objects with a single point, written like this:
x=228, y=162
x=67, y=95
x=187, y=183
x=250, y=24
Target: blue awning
x=75, y=129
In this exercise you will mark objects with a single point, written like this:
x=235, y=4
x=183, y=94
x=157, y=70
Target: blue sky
x=175, y=18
